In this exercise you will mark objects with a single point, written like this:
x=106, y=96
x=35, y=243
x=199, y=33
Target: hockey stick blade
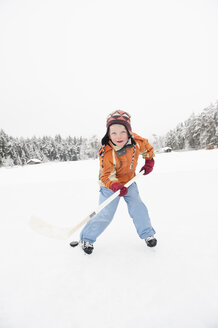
x=49, y=230
x=52, y=231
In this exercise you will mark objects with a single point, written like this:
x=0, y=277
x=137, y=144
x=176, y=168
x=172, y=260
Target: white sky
x=66, y=64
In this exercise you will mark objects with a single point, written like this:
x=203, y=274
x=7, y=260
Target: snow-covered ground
x=123, y=284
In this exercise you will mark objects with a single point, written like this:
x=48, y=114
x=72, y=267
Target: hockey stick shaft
x=112, y=197
x=105, y=203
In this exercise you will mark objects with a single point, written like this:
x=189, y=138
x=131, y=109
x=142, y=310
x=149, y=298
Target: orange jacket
x=119, y=165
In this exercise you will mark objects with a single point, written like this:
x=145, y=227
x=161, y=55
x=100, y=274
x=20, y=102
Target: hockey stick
x=49, y=230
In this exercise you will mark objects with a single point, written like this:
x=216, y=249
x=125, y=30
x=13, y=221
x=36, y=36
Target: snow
x=123, y=284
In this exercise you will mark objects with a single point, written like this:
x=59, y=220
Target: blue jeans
x=137, y=211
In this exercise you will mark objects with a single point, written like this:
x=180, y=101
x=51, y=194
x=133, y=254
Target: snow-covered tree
x=198, y=131
x=18, y=151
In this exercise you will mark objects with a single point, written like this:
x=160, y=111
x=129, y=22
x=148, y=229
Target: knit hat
x=117, y=117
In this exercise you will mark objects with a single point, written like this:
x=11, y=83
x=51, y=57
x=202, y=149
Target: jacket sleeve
x=107, y=169
x=145, y=149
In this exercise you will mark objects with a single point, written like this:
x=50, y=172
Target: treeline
x=199, y=131
x=17, y=151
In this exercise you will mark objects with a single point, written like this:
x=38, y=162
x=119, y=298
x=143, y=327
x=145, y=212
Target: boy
x=118, y=160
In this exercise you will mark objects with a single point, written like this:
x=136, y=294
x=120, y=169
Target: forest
x=197, y=132
x=18, y=151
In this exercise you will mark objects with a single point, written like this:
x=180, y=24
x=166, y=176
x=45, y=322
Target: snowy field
x=123, y=284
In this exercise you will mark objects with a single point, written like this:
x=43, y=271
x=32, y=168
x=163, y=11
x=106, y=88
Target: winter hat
x=117, y=117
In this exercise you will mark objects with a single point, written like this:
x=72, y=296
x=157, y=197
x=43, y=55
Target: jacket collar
x=117, y=148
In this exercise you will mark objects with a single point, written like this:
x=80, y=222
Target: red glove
x=116, y=186
x=148, y=167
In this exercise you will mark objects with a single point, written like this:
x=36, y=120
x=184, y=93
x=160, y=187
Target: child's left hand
x=118, y=186
x=148, y=167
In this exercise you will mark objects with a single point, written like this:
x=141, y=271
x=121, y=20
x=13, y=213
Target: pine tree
x=198, y=131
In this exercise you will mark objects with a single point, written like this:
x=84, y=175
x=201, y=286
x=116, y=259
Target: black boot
x=151, y=241
x=87, y=247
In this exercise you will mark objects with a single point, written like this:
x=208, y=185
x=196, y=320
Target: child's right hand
x=118, y=186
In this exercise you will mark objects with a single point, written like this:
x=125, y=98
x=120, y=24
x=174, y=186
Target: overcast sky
x=66, y=64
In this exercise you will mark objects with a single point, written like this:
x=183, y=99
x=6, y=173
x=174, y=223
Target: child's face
x=118, y=134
